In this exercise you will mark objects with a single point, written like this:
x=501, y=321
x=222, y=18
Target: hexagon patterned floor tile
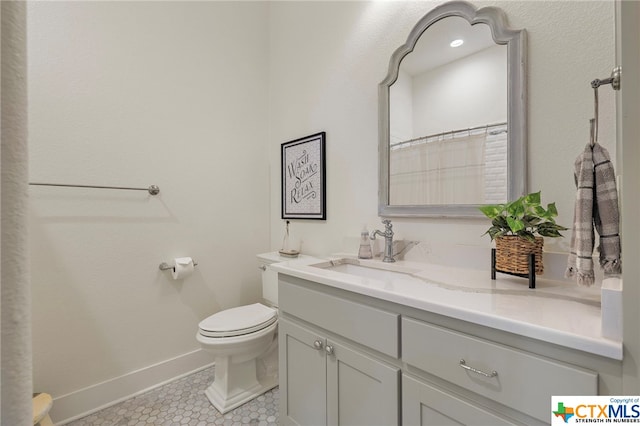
x=182, y=402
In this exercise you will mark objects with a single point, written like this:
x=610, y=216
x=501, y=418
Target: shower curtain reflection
x=451, y=168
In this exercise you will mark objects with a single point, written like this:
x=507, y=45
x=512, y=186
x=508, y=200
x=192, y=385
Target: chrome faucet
x=388, y=240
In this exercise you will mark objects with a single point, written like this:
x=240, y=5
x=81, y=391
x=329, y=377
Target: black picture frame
x=303, y=173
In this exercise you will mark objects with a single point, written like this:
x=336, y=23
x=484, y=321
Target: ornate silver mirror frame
x=515, y=40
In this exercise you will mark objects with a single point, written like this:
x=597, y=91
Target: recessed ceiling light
x=456, y=43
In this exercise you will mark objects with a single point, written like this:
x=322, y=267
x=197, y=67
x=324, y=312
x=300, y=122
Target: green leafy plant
x=524, y=217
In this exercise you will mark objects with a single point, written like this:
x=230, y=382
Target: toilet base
x=224, y=404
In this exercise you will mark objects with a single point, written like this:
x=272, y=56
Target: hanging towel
x=606, y=216
x=580, y=262
x=596, y=205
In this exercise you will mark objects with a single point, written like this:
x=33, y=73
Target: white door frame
x=628, y=156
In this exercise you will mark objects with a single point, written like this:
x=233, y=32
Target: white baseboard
x=83, y=402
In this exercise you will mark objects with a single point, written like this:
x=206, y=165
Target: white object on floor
x=42, y=403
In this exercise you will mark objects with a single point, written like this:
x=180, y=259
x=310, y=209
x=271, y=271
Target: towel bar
x=153, y=189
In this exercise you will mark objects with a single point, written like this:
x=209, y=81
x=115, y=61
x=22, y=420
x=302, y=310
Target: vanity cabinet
x=513, y=378
x=328, y=375
x=351, y=359
x=424, y=404
x=303, y=376
x=325, y=382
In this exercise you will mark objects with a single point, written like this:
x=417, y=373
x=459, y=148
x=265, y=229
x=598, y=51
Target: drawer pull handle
x=464, y=365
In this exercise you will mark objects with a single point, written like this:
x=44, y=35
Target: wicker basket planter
x=512, y=254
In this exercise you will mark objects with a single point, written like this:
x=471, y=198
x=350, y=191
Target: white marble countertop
x=555, y=311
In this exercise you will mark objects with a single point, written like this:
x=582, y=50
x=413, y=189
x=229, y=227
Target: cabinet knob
x=262, y=267
x=318, y=344
x=329, y=350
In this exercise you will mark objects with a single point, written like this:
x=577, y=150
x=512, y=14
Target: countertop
x=555, y=311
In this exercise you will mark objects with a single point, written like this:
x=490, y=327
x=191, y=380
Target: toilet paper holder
x=164, y=266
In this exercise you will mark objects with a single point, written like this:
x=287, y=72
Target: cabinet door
x=360, y=390
x=423, y=404
x=302, y=376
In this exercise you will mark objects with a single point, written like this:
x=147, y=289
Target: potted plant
x=518, y=229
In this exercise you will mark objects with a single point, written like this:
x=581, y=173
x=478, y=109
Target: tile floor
x=182, y=402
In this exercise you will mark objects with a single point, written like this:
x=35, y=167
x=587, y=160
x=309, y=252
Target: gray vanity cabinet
x=360, y=389
x=423, y=404
x=325, y=382
x=303, y=376
x=329, y=373
x=514, y=378
x=350, y=359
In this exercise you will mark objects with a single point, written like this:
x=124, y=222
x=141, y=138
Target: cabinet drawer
x=423, y=404
x=363, y=324
x=523, y=381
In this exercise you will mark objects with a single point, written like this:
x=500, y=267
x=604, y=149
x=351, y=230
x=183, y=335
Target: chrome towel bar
x=153, y=189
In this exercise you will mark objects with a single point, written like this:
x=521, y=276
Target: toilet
x=245, y=345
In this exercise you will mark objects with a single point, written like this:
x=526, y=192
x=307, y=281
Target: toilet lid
x=238, y=321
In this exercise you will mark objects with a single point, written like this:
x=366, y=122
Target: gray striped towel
x=596, y=206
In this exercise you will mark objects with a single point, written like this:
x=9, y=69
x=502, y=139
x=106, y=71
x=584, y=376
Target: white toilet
x=245, y=345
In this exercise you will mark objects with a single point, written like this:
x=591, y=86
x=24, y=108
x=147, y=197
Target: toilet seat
x=238, y=321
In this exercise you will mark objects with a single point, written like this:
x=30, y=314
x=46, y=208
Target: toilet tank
x=270, y=277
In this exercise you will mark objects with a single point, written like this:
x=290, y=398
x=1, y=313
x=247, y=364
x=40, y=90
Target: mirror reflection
x=452, y=115
x=448, y=118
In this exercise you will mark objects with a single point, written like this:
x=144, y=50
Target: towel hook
x=614, y=80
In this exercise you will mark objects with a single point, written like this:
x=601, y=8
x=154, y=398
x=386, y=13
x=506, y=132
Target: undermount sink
x=367, y=269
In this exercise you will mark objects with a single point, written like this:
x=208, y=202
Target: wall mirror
x=452, y=115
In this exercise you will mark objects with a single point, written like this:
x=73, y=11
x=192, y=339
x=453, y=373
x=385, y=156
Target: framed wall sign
x=303, y=178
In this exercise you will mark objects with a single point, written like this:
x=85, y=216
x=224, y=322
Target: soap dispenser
x=288, y=249
x=365, y=245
